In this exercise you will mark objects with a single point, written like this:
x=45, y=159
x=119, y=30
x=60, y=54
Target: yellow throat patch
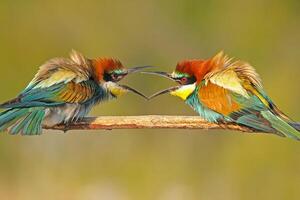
x=115, y=89
x=184, y=91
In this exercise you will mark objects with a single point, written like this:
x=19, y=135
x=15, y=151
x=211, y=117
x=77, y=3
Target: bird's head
x=108, y=72
x=188, y=74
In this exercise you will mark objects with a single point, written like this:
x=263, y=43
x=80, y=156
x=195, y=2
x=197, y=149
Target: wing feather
x=228, y=79
x=62, y=70
x=58, y=81
x=218, y=99
x=231, y=87
x=77, y=92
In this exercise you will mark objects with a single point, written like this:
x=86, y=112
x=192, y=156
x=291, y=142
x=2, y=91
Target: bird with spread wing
x=63, y=91
x=223, y=90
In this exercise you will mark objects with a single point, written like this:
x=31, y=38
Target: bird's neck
x=98, y=71
x=202, y=69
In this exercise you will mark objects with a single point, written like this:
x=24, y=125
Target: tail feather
x=34, y=125
x=19, y=125
x=281, y=125
x=296, y=125
x=26, y=121
x=10, y=115
x=252, y=121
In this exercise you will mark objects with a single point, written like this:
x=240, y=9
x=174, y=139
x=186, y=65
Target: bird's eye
x=114, y=76
x=186, y=80
x=183, y=80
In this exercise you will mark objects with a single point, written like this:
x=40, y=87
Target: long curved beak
x=168, y=90
x=127, y=88
x=131, y=71
x=162, y=74
x=137, y=69
x=165, y=75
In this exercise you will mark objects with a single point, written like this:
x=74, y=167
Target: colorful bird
x=223, y=90
x=63, y=91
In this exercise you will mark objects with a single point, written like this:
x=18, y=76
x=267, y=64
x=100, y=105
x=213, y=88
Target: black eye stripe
x=111, y=76
x=107, y=77
x=186, y=80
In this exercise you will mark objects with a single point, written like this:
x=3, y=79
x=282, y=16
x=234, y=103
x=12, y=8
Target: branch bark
x=148, y=122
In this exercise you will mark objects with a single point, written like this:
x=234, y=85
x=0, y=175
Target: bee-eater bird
x=222, y=90
x=63, y=91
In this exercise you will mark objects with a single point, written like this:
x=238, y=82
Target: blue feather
x=204, y=112
x=25, y=120
x=253, y=121
x=281, y=126
x=39, y=97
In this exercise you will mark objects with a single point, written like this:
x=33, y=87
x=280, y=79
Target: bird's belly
x=65, y=114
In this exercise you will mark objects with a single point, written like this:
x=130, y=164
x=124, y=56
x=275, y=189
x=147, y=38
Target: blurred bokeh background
x=151, y=164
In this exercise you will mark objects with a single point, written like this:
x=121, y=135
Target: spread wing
x=231, y=88
x=235, y=91
x=57, y=82
x=62, y=70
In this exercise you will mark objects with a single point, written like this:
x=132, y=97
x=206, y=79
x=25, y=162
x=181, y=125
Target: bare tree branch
x=148, y=122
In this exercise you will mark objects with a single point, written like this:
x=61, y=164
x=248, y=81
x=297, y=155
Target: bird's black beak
x=131, y=71
x=137, y=69
x=168, y=90
x=165, y=75
x=162, y=74
x=127, y=88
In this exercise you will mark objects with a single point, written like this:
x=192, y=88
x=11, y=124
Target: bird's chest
x=102, y=94
x=204, y=112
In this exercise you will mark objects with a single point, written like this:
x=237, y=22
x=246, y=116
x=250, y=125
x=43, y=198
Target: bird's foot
x=66, y=127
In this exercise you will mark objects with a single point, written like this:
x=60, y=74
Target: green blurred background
x=151, y=164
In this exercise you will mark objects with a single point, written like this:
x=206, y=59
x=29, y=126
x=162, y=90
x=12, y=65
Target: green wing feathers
x=243, y=99
x=58, y=81
x=281, y=126
x=296, y=125
x=62, y=70
x=26, y=121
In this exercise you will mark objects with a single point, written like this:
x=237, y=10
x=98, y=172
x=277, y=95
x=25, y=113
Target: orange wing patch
x=76, y=93
x=218, y=99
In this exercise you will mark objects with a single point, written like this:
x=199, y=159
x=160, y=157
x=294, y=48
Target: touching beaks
x=168, y=90
x=137, y=69
x=165, y=75
x=125, y=87
x=134, y=70
x=162, y=74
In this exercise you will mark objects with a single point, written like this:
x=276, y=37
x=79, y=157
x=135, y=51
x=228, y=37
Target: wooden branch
x=148, y=122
